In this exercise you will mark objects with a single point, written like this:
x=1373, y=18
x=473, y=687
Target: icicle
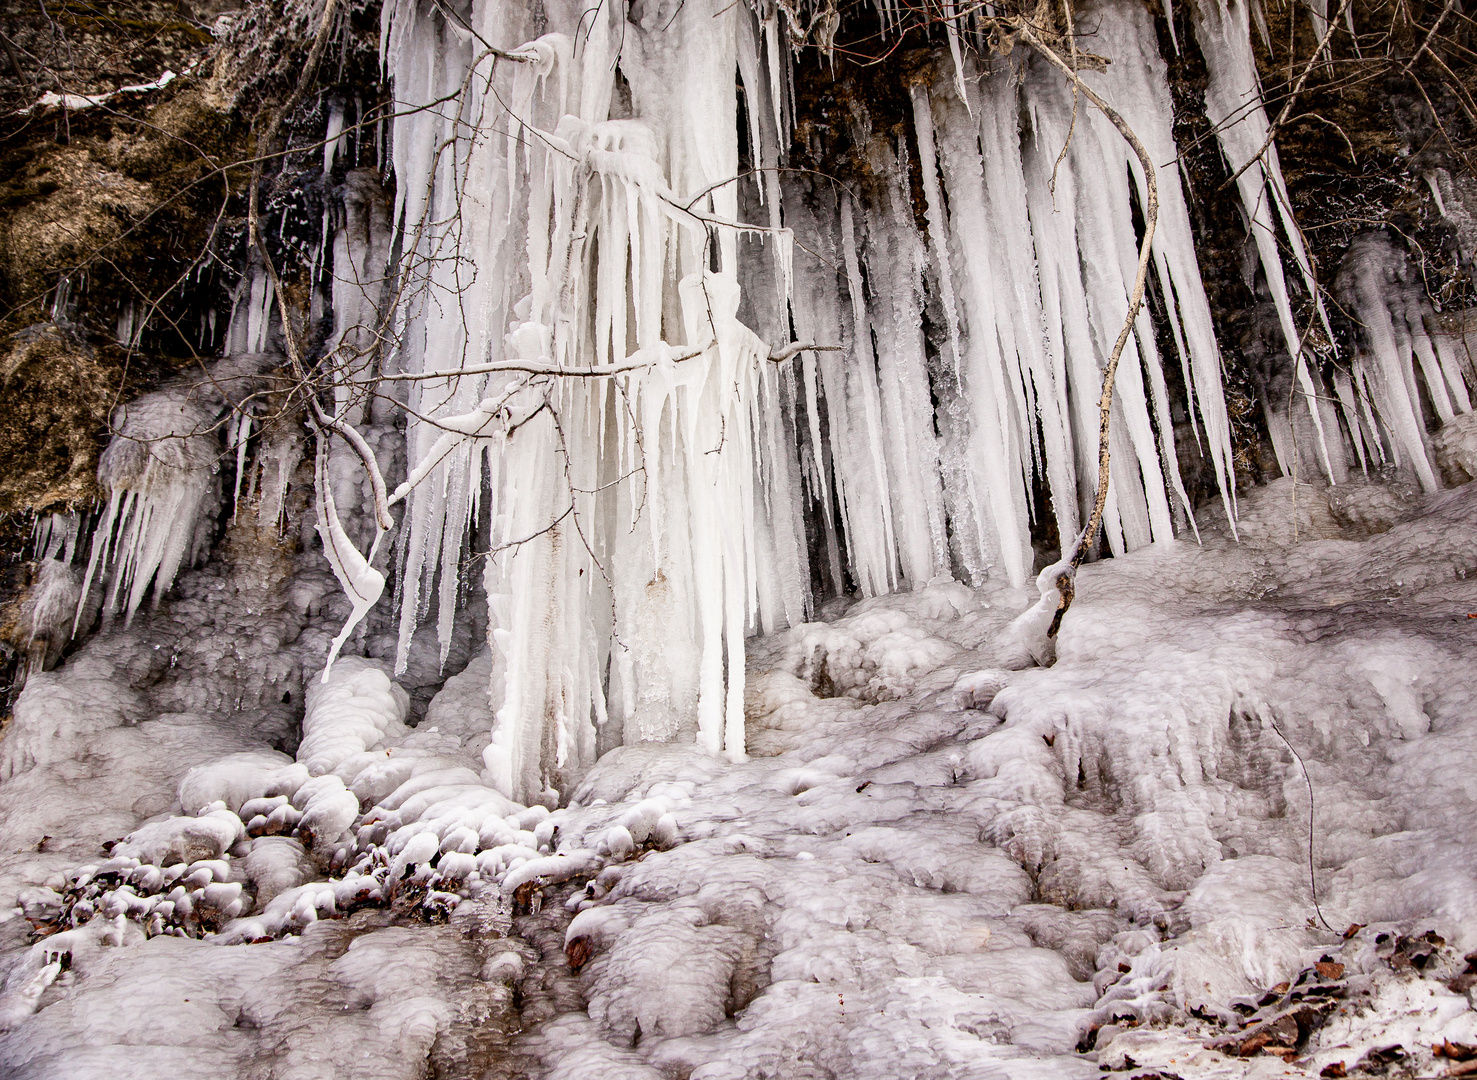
x=333, y=136
x=1344, y=388
x=895, y=260
x=938, y=227
x=849, y=388
x=589, y=222
x=241, y=435
x=1022, y=340
x=1233, y=104
x=881, y=575
x=951, y=28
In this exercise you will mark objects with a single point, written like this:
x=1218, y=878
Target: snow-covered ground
x=929, y=864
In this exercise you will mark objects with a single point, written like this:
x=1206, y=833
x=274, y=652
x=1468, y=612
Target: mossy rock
x=55, y=396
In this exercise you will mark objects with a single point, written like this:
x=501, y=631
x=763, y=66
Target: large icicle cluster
x=649, y=489
x=1403, y=353
x=650, y=373
x=572, y=348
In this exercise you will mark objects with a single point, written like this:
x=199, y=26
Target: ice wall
x=568, y=193
x=649, y=371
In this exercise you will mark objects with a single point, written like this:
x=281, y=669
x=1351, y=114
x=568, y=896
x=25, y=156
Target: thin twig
x=1135, y=302
x=1312, y=878
x=599, y=371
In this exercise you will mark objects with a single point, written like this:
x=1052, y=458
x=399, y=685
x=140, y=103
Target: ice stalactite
x=1137, y=84
x=1233, y=105
x=570, y=349
x=1398, y=356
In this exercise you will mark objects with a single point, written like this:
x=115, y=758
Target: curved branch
x=1135, y=301
x=371, y=465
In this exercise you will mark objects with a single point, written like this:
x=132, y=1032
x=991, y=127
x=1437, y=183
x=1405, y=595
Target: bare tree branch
x=1135, y=301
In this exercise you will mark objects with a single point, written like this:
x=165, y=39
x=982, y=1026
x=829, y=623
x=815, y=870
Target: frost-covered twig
x=778, y=356
x=795, y=348
x=1135, y=301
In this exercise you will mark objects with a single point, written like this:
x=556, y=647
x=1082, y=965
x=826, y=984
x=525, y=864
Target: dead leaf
x=1454, y=1051
x=578, y=953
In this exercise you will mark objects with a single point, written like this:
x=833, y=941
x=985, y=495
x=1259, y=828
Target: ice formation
x=928, y=865
x=159, y=473
x=1402, y=336
x=644, y=410
x=749, y=765
x=612, y=266
x=646, y=464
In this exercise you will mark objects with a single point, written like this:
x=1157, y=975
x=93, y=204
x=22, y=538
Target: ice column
x=590, y=378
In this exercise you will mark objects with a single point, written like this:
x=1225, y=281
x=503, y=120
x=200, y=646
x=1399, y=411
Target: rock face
x=519, y=519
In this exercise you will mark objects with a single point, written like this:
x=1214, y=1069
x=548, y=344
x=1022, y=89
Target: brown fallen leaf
x=578, y=953
x=1454, y=1051
x=1334, y=1071
x=1273, y=1036
x=1328, y=969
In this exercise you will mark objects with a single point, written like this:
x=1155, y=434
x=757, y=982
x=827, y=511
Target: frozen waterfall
x=574, y=626
x=652, y=428
x=665, y=391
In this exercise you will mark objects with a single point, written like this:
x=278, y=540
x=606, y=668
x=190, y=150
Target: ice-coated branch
x=1064, y=581
x=376, y=479
x=795, y=348
x=604, y=371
